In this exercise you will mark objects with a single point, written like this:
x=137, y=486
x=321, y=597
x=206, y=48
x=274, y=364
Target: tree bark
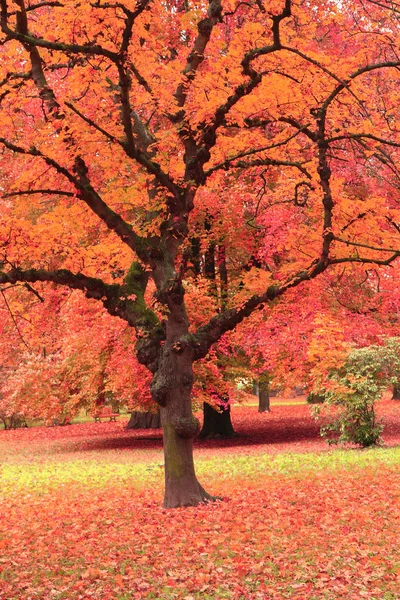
x=171, y=388
x=179, y=428
x=216, y=424
x=144, y=420
x=181, y=485
x=263, y=398
x=396, y=392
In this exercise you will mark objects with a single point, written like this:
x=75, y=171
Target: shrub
x=353, y=390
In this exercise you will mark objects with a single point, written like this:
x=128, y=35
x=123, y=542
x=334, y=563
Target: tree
x=51, y=369
x=126, y=126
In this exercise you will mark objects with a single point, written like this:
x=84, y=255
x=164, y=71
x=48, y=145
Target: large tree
x=126, y=126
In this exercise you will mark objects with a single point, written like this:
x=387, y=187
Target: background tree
x=124, y=126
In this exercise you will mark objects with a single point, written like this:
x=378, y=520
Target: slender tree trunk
x=261, y=389
x=223, y=276
x=144, y=420
x=263, y=398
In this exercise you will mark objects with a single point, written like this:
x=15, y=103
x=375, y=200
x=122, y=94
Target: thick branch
x=45, y=92
x=208, y=334
x=92, y=287
x=88, y=194
x=196, y=55
x=209, y=130
x=119, y=300
x=129, y=22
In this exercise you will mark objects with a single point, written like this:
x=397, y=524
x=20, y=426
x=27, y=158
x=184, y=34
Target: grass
x=81, y=516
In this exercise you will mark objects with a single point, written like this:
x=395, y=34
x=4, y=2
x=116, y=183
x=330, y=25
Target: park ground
x=81, y=516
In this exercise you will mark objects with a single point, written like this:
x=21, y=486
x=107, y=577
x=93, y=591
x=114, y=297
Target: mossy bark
x=171, y=387
x=179, y=428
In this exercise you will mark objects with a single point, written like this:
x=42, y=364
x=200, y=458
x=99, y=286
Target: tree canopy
x=135, y=134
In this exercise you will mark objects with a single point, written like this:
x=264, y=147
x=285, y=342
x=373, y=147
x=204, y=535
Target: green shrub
x=355, y=423
x=353, y=390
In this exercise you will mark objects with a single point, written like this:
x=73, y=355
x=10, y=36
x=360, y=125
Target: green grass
x=43, y=475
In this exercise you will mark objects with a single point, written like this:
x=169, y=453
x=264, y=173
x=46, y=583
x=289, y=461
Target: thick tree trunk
x=216, y=424
x=144, y=420
x=179, y=428
x=396, y=392
x=171, y=387
x=181, y=485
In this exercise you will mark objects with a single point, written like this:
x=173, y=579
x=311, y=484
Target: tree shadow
x=284, y=431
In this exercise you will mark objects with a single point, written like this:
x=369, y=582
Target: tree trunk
x=181, y=485
x=179, y=428
x=263, y=398
x=396, y=392
x=144, y=420
x=223, y=275
x=216, y=424
x=171, y=387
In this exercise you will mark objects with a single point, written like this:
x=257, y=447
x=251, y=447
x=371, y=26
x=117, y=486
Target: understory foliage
x=80, y=515
x=353, y=390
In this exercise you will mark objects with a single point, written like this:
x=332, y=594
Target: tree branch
x=208, y=135
x=363, y=260
x=258, y=162
x=210, y=333
x=360, y=136
x=89, y=195
x=87, y=49
x=14, y=320
x=196, y=56
x=93, y=124
x=367, y=246
x=225, y=163
x=345, y=83
x=118, y=299
x=44, y=191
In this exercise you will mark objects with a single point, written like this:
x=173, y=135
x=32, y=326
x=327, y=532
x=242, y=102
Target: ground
x=81, y=516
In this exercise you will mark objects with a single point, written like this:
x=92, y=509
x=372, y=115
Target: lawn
x=81, y=516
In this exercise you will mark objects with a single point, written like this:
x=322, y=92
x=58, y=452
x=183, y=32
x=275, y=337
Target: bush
x=355, y=423
x=353, y=390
